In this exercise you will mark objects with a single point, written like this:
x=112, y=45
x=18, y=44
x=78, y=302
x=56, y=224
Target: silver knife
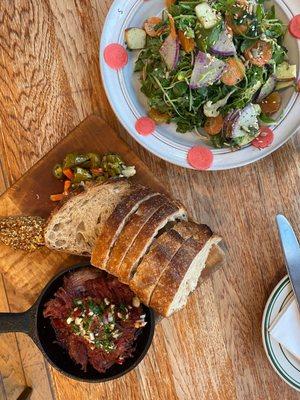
x=291, y=250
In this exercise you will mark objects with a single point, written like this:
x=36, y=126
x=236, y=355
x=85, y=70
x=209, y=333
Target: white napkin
x=285, y=329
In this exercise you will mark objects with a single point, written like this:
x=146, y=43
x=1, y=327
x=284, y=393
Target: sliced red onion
x=224, y=45
x=170, y=52
x=229, y=121
x=246, y=121
x=206, y=71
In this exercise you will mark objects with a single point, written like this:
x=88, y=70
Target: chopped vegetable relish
x=78, y=169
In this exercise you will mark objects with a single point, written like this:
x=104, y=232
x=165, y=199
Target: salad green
x=210, y=67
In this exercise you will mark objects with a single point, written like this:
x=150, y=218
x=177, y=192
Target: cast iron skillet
x=33, y=323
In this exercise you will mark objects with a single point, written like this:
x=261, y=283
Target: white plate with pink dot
x=188, y=150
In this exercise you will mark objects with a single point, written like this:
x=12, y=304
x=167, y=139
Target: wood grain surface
x=28, y=273
x=49, y=82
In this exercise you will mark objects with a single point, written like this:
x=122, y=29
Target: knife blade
x=291, y=250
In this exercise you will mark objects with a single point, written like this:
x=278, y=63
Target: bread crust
x=88, y=188
x=148, y=272
x=126, y=207
x=171, y=278
x=157, y=260
x=66, y=203
x=131, y=231
x=145, y=237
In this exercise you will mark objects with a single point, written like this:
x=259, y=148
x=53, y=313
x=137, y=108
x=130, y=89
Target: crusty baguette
x=158, y=258
x=167, y=213
x=131, y=230
x=183, y=272
x=115, y=223
x=74, y=225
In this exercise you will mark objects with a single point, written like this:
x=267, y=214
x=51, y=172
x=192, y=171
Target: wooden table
x=50, y=82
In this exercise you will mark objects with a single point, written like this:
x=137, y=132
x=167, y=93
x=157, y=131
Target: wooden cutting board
x=29, y=272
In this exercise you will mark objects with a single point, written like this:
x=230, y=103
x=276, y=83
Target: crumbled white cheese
x=136, y=302
x=211, y=109
x=110, y=317
x=78, y=321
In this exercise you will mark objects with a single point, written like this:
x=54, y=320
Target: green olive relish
x=77, y=169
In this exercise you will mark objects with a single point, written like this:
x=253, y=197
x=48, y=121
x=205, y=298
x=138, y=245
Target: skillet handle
x=16, y=322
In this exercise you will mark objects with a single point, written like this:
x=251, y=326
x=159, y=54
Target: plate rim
x=162, y=150
x=266, y=336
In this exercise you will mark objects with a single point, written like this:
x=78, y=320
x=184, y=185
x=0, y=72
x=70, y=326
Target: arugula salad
x=215, y=68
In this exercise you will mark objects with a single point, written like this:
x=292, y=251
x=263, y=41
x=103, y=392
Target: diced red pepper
x=76, y=313
x=96, y=171
x=57, y=197
x=67, y=186
x=68, y=173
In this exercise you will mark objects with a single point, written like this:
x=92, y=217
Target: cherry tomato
x=158, y=117
x=260, y=53
x=213, y=125
x=271, y=104
x=264, y=139
x=150, y=24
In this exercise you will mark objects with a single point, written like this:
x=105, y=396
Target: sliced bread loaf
x=116, y=222
x=74, y=226
x=166, y=214
x=158, y=258
x=131, y=230
x=181, y=276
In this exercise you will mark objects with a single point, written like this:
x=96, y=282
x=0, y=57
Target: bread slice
x=168, y=213
x=74, y=226
x=131, y=230
x=116, y=222
x=158, y=258
x=215, y=260
x=181, y=276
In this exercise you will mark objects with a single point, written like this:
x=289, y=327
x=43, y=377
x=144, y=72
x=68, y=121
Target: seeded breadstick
x=22, y=232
